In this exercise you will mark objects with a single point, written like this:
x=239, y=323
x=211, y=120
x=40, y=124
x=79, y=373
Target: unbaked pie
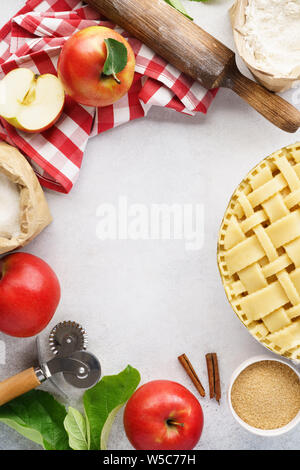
x=259, y=252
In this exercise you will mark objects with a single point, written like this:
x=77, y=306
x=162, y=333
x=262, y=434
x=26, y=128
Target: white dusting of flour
x=272, y=34
x=9, y=207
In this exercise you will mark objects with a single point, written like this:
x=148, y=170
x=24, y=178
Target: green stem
x=171, y=422
x=116, y=78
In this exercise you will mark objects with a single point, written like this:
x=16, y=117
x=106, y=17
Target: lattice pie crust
x=259, y=252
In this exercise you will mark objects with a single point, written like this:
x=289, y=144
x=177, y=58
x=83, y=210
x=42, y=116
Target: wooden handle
x=271, y=106
x=18, y=385
x=173, y=36
x=195, y=52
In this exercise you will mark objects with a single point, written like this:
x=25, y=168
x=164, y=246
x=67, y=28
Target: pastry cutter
x=79, y=368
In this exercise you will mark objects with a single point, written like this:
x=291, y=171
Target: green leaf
x=178, y=6
x=75, y=425
x=38, y=417
x=116, y=58
x=103, y=401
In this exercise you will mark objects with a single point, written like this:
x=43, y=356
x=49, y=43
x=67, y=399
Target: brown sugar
x=266, y=395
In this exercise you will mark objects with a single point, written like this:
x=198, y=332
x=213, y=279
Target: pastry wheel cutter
x=80, y=368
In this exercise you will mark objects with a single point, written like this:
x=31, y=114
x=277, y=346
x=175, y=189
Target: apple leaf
x=103, y=401
x=75, y=425
x=179, y=7
x=38, y=417
x=116, y=58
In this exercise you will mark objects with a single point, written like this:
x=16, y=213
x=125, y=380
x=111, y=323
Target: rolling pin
x=196, y=53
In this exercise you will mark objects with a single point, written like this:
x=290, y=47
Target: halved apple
x=30, y=102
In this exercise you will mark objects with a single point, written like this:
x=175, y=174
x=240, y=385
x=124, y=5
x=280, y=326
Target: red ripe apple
x=80, y=67
x=29, y=294
x=163, y=415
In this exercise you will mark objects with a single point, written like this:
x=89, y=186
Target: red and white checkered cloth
x=33, y=39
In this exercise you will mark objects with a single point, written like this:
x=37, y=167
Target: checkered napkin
x=33, y=39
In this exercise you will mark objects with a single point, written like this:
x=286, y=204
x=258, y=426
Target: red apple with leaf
x=163, y=415
x=29, y=294
x=96, y=66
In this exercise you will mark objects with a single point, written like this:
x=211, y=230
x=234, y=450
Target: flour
x=9, y=207
x=272, y=34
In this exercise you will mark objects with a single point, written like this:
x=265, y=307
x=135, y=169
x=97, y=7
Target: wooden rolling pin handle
x=18, y=385
x=278, y=111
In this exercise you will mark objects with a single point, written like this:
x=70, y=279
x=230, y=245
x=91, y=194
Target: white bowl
x=260, y=432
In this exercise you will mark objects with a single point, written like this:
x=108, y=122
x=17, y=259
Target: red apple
x=29, y=294
x=80, y=67
x=163, y=415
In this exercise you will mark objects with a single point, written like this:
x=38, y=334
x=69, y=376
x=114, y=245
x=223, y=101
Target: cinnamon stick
x=184, y=361
x=211, y=375
x=217, y=377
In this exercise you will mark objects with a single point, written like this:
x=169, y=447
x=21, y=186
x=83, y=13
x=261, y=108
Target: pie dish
x=259, y=252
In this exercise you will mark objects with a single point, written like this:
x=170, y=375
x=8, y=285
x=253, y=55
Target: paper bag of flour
x=24, y=211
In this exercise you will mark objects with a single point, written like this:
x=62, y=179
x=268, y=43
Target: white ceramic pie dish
x=260, y=432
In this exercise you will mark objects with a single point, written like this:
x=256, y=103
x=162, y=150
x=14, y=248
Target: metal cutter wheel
x=69, y=339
